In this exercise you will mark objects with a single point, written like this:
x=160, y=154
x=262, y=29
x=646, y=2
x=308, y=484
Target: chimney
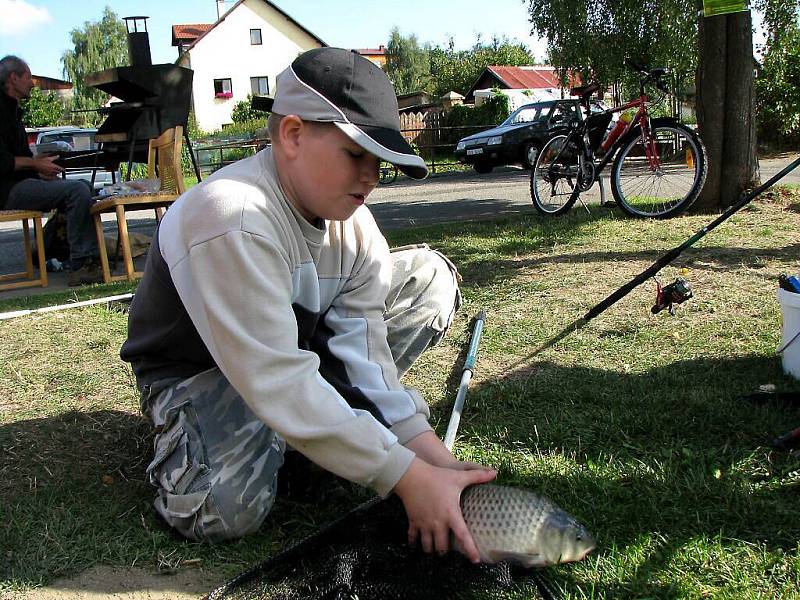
x=138, y=41
x=220, y=8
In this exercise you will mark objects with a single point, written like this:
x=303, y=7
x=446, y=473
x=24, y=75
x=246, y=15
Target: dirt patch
x=124, y=584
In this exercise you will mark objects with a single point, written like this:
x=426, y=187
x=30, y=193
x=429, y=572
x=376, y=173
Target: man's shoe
x=89, y=272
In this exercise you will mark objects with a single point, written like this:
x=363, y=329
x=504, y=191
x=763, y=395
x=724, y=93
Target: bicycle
x=659, y=164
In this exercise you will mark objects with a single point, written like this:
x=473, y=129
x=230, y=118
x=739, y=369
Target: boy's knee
x=215, y=511
x=212, y=486
x=431, y=286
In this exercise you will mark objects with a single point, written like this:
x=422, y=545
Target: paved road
x=404, y=203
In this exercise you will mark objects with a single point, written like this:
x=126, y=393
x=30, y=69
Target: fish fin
x=523, y=559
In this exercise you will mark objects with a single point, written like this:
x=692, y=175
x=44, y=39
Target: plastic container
x=790, y=333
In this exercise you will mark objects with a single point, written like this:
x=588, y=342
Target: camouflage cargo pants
x=216, y=464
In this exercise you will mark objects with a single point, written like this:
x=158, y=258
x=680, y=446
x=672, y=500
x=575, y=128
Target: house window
x=259, y=86
x=255, y=37
x=223, y=88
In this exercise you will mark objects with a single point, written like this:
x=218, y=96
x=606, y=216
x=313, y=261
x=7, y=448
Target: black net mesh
x=365, y=556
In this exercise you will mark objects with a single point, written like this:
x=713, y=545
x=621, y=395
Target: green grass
x=633, y=423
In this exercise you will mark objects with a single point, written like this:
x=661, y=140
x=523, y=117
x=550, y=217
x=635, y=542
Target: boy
x=271, y=314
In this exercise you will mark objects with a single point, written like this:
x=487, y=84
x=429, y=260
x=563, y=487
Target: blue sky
x=38, y=30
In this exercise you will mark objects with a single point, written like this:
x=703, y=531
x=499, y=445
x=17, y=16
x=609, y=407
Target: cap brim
x=388, y=145
x=263, y=103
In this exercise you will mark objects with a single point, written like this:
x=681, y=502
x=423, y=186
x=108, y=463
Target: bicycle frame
x=642, y=117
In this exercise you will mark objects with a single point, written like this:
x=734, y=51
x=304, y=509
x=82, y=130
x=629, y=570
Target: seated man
x=272, y=315
x=28, y=183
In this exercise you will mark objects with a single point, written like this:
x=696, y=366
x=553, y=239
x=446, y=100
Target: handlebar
x=649, y=75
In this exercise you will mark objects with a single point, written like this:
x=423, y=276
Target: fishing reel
x=676, y=292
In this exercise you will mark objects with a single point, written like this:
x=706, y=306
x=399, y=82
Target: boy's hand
x=431, y=496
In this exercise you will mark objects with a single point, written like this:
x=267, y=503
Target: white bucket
x=790, y=333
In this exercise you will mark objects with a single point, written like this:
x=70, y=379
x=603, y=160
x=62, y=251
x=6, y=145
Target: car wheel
x=482, y=167
x=529, y=157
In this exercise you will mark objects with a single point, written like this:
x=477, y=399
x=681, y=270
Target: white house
x=240, y=54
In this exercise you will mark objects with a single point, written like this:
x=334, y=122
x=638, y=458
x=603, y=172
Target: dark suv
x=520, y=137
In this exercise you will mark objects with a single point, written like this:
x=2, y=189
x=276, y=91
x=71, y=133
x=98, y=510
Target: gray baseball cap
x=344, y=88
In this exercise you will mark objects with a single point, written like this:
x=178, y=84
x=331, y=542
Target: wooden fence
x=425, y=130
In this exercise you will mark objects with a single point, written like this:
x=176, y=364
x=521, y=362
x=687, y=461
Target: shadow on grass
x=60, y=477
x=671, y=454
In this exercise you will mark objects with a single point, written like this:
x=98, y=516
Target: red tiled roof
x=380, y=51
x=188, y=33
x=521, y=78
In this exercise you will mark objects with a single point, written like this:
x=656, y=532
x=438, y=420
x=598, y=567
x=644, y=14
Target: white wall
x=226, y=52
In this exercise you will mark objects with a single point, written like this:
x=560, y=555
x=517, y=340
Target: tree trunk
x=725, y=107
x=739, y=159
x=710, y=101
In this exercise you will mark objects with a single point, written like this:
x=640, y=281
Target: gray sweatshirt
x=292, y=314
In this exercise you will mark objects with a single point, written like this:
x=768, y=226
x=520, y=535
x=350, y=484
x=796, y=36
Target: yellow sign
x=712, y=8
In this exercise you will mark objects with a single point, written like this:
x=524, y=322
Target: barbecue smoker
x=153, y=99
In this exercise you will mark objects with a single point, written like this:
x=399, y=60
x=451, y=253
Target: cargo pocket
x=179, y=473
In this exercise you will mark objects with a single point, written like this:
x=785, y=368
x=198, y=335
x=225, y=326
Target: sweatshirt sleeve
x=358, y=345
x=250, y=330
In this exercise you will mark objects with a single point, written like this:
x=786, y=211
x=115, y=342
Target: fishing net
x=365, y=556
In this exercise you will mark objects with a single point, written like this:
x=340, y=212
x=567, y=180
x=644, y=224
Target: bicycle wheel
x=553, y=178
x=664, y=190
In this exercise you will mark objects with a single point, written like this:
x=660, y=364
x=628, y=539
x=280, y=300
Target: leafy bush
x=243, y=112
x=491, y=113
x=778, y=90
x=42, y=109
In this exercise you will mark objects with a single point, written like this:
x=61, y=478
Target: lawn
x=636, y=423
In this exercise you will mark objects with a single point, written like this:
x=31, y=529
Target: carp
x=517, y=525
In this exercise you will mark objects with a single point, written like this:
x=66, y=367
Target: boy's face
x=331, y=175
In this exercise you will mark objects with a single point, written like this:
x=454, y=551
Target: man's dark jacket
x=13, y=142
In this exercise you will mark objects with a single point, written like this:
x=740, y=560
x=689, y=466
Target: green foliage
x=594, y=37
x=242, y=128
x=469, y=120
x=453, y=70
x=42, y=109
x=492, y=112
x=98, y=45
x=777, y=86
x=407, y=63
x=242, y=111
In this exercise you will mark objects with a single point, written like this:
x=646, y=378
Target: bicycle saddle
x=584, y=91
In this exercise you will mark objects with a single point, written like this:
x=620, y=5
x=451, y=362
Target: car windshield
x=78, y=140
x=528, y=113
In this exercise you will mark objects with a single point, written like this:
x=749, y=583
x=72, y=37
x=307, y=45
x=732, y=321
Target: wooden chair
x=164, y=162
x=28, y=279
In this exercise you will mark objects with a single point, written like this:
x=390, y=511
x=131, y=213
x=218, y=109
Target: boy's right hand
x=432, y=499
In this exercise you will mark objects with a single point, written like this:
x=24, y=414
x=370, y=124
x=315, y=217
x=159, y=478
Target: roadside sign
x=712, y=8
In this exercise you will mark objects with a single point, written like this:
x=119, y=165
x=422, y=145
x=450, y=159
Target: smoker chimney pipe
x=138, y=41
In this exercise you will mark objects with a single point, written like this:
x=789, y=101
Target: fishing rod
x=664, y=300
x=466, y=376
x=105, y=300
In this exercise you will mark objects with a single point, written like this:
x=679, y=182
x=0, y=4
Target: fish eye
x=578, y=537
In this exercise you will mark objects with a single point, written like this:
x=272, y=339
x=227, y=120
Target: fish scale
x=514, y=524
